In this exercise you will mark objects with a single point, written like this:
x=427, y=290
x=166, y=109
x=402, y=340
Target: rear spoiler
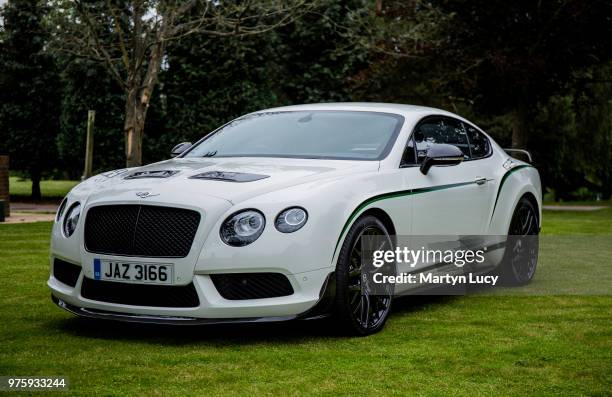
x=521, y=151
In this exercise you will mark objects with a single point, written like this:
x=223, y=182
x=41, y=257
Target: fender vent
x=241, y=286
x=229, y=176
x=151, y=174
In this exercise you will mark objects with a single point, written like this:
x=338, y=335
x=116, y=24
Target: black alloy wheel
x=360, y=310
x=521, y=256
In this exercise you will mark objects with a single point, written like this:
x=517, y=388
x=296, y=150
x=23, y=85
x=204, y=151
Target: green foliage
x=572, y=138
x=505, y=53
x=537, y=67
x=313, y=60
x=209, y=80
x=29, y=101
x=594, y=110
x=556, y=133
x=517, y=69
x=85, y=86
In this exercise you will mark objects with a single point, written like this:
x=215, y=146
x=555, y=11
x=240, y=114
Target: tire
x=350, y=300
x=521, y=256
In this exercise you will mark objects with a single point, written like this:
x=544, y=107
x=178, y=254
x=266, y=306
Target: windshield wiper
x=210, y=154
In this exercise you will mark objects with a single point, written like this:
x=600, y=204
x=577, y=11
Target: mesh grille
x=140, y=230
x=66, y=272
x=140, y=294
x=240, y=286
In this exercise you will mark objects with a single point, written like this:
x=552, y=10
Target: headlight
x=61, y=209
x=291, y=219
x=72, y=219
x=243, y=228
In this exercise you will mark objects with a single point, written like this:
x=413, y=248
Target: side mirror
x=441, y=155
x=180, y=148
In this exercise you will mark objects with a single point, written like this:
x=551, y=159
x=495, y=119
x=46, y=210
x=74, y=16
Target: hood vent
x=229, y=176
x=151, y=174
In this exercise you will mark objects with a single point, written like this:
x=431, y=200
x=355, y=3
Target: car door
x=487, y=167
x=448, y=202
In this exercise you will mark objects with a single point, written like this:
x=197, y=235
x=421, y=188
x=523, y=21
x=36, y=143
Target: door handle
x=480, y=181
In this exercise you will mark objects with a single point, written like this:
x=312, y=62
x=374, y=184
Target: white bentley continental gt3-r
x=261, y=220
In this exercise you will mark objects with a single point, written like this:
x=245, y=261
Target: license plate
x=133, y=272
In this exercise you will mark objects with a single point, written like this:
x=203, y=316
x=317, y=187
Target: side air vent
x=242, y=286
x=66, y=272
x=229, y=176
x=151, y=174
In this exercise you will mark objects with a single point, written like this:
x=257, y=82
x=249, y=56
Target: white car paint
x=334, y=192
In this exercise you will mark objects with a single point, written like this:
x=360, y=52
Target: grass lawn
x=463, y=346
x=21, y=189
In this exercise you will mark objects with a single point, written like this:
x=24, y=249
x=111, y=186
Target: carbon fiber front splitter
x=167, y=320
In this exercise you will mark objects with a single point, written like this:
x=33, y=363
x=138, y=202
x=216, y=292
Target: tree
x=533, y=74
x=506, y=56
x=211, y=80
x=86, y=85
x=500, y=57
x=397, y=41
x=573, y=138
x=28, y=91
x=594, y=107
x=143, y=30
x=313, y=60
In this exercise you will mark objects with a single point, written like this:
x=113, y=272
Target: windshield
x=304, y=134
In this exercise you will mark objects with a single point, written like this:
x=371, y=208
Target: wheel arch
x=516, y=184
x=357, y=214
x=532, y=199
x=382, y=216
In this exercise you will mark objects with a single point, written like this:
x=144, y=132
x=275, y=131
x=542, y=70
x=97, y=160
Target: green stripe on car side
x=391, y=195
x=501, y=184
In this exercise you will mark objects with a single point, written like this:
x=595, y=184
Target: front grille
x=240, y=286
x=140, y=294
x=66, y=272
x=140, y=230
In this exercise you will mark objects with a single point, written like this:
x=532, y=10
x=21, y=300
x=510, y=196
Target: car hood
x=232, y=179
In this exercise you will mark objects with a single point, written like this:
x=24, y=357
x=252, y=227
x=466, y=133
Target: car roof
x=406, y=110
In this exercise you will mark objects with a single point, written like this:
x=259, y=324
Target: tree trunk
x=35, y=176
x=519, y=126
x=379, y=7
x=138, y=97
x=135, y=114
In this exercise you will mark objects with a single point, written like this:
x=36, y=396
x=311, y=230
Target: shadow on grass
x=296, y=331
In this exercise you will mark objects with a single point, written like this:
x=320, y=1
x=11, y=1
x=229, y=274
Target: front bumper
x=309, y=289
x=291, y=255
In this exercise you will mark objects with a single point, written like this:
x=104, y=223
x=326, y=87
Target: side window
x=440, y=130
x=479, y=144
x=409, y=156
x=455, y=134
